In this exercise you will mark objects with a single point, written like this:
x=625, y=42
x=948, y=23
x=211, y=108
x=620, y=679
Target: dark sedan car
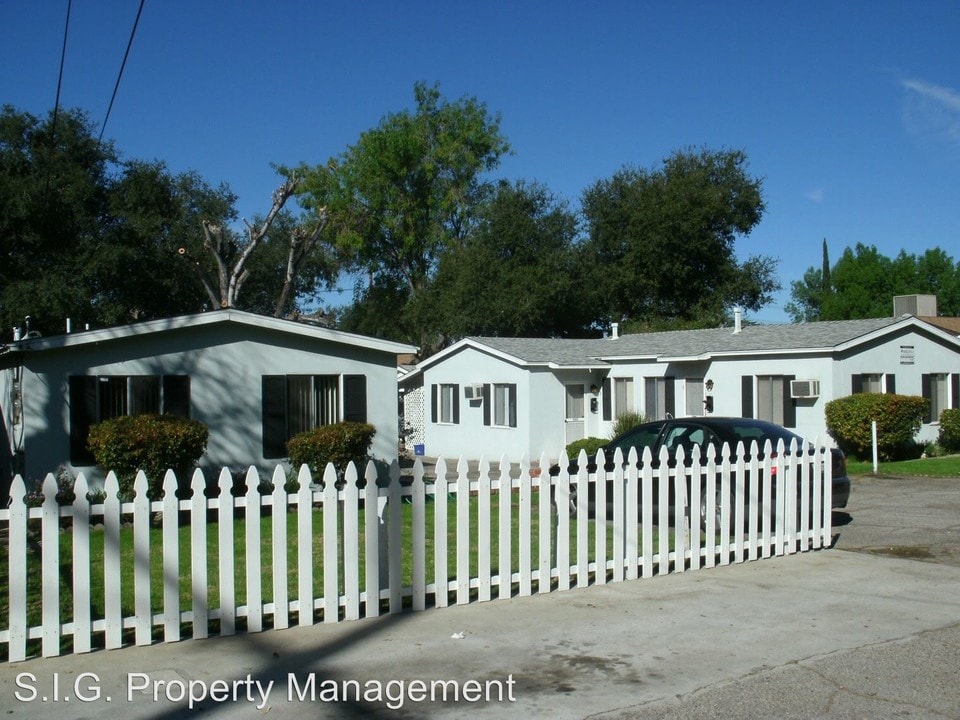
x=702, y=432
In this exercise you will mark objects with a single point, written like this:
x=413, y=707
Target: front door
x=574, y=413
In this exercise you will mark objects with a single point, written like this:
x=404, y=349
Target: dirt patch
x=905, y=552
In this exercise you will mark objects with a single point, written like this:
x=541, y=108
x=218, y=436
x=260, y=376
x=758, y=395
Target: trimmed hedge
x=149, y=442
x=898, y=417
x=590, y=444
x=340, y=444
x=949, y=438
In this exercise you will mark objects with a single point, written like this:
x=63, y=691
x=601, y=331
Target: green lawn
x=33, y=579
x=948, y=466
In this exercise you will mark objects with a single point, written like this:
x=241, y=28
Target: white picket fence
x=481, y=547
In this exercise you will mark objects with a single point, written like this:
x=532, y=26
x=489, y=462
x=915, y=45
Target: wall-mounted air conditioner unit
x=473, y=392
x=804, y=388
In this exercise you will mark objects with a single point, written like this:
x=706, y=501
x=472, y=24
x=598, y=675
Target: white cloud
x=932, y=110
x=814, y=194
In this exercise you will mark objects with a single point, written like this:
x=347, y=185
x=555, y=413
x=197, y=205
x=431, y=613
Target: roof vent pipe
x=614, y=330
x=737, y=319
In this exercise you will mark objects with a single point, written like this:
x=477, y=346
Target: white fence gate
x=169, y=568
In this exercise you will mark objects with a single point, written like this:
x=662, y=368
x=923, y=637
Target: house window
x=574, y=406
x=770, y=392
x=936, y=389
x=694, y=396
x=292, y=404
x=623, y=396
x=660, y=397
x=445, y=403
x=94, y=399
x=773, y=401
x=873, y=383
x=500, y=405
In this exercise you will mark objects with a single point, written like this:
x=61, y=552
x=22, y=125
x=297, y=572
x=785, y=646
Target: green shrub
x=898, y=417
x=339, y=444
x=590, y=444
x=949, y=438
x=152, y=443
x=626, y=421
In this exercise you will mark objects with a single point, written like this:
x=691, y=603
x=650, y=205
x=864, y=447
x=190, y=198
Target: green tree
x=516, y=274
x=661, y=242
x=810, y=293
x=401, y=196
x=87, y=236
x=864, y=283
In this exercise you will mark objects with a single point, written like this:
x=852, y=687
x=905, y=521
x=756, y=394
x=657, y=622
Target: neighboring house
x=253, y=380
x=514, y=396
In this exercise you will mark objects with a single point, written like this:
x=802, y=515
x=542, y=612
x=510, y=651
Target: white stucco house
x=515, y=396
x=253, y=380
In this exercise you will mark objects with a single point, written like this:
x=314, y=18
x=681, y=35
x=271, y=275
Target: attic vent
x=804, y=388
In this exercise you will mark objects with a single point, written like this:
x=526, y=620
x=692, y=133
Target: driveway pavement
x=850, y=632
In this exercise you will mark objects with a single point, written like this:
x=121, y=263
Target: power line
x=63, y=55
x=122, y=66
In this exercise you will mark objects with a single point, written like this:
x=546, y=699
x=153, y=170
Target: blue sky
x=849, y=111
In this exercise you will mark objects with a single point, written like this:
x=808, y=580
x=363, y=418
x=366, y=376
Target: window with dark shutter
x=789, y=404
x=746, y=396
x=355, y=398
x=607, y=405
x=487, y=414
x=83, y=414
x=274, y=408
x=176, y=395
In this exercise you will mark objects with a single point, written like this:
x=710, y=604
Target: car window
x=761, y=433
x=688, y=436
x=639, y=437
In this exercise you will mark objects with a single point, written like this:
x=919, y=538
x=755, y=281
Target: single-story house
x=514, y=396
x=253, y=380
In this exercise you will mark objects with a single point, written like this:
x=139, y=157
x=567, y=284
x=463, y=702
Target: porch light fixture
x=709, y=385
x=594, y=389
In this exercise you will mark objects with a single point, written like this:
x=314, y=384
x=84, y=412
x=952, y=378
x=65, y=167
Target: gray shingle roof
x=688, y=343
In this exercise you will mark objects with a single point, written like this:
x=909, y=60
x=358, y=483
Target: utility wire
x=63, y=55
x=120, y=74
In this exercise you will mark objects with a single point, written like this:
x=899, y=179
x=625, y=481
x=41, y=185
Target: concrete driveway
x=850, y=632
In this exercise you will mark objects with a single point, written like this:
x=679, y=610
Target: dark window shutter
x=456, y=404
x=746, y=396
x=434, y=403
x=607, y=409
x=891, y=384
x=955, y=392
x=83, y=414
x=486, y=404
x=670, y=395
x=355, y=398
x=274, y=405
x=144, y=394
x=856, y=384
x=925, y=390
x=176, y=395
x=789, y=404
x=512, y=391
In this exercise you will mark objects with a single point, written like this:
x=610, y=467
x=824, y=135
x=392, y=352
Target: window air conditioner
x=473, y=392
x=804, y=388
